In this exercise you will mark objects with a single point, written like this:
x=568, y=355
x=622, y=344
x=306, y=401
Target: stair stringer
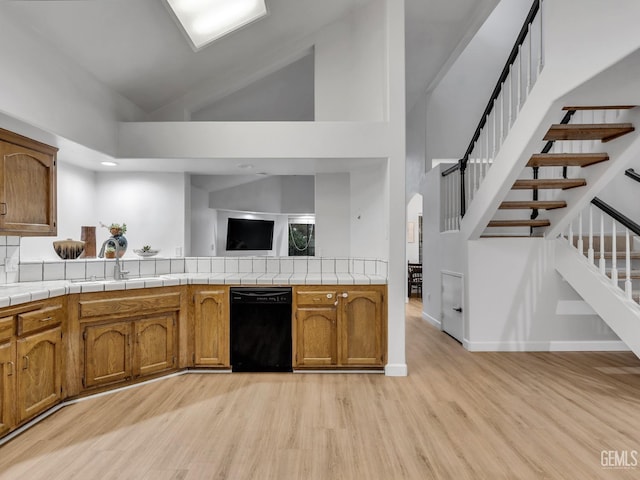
x=608, y=301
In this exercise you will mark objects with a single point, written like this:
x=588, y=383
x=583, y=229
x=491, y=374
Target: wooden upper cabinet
x=211, y=328
x=27, y=186
x=39, y=372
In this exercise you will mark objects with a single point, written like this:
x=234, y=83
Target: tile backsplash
x=9, y=259
x=101, y=268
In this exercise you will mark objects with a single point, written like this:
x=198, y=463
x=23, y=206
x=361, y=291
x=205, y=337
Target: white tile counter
x=36, y=282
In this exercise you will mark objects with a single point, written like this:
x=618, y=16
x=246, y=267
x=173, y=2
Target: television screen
x=243, y=234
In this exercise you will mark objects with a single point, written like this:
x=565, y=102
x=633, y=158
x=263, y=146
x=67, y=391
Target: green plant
x=146, y=248
x=117, y=226
x=110, y=248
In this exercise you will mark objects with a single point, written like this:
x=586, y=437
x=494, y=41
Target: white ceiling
x=135, y=48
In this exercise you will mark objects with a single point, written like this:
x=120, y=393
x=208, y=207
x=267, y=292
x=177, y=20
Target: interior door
x=452, y=304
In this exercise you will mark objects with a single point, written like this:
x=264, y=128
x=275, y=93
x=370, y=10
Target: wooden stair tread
x=599, y=107
x=533, y=204
x=520, y=223
x=566, y=159
x=549, y=183
x=588, y=131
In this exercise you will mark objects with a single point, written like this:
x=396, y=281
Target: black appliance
x=261, y=329
x=245, y=234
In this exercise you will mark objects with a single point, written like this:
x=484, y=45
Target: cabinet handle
x=4, y=208
x=457, y=309
x=336, y=303
x=46, y=319
x=345, y=295
x=13, y=369
x=26, y=362
x=329, y=295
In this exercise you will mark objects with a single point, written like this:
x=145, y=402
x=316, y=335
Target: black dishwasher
x=261, y=329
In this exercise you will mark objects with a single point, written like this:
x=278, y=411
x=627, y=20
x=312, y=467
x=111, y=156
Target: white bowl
x=148, y=253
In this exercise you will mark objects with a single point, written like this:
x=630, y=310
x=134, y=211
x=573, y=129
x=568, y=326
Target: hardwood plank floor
x=458, y=415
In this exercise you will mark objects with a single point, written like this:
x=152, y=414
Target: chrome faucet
x=118, y=273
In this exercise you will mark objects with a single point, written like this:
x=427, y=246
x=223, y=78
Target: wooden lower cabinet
x=110, y=355
x=340, y=327
x=211, y=325
x=7, y=386
x=107, y=353
x=39, y=373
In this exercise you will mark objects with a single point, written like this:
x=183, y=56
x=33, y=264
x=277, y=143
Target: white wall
x=513, y=297
x=457, y=102
x=414, y=210
x=50, y=91
x=153, y=205
x=76, y=208
x=203, y=225
x=333, y=222
x=416, y=147
x=280, y=234
x=275, y=194
x=350, y=67
x=369, y=197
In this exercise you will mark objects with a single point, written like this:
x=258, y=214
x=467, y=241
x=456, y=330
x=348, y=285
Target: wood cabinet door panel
x=7, y=386
x=361, y=328
x=211, y=328
x=155, y=348
x=316, y=336
x=107, y=353
x=39, y=374
x=28, y=191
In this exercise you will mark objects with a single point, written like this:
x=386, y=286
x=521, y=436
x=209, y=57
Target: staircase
x=538, y=180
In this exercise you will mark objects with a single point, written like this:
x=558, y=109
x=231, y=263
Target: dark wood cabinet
x=27, y=186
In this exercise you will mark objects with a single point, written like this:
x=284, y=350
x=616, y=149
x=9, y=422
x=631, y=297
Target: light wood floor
x=458, y=415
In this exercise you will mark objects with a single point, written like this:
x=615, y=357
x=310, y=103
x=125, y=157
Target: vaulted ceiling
x=135, y=48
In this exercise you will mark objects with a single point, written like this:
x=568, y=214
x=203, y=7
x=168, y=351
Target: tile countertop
x=23, y=292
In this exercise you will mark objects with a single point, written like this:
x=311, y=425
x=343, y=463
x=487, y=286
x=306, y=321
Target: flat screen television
x=245, y=234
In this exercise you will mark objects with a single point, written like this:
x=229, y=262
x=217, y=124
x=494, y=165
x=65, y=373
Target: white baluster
x=501, y=114
x=614, y=255
x=510, y=97
x=627, y=283
x=529, y=60
x=541, y=52
x=590, y=250
x=495, y=129
x=603, y=263
x=571, y=234
x=519, y=77
x=580, y=241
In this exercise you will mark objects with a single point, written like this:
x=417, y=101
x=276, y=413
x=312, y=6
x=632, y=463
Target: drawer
x=123, y=306
x=39, y=319
x=326, y=297
x=6, y=328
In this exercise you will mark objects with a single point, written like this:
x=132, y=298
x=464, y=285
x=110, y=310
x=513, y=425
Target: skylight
x=204, y=21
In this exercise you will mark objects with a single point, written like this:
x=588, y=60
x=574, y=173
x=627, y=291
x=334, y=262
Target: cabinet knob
x=329, y=295
x=26, y=362
x=345, y=295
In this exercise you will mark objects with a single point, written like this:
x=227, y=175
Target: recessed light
x=204, y=21
x=109, y=164
x=245, y=166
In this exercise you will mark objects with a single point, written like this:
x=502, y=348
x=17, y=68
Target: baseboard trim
x=395, y=370
x=551, y=346
x=432, y=320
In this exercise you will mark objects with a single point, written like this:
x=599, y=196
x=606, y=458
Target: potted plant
x=110, y=252
x=116, y=229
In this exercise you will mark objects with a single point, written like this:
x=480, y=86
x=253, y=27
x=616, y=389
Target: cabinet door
x=107, y=353
x=27, y=191
x=316, y=339
x=155, y=348
x=39, y=373
x=7, y=384
x=361, y=328
x=212, y=328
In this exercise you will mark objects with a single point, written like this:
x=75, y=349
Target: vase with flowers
x=117, y=232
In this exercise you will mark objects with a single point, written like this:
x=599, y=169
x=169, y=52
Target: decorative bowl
x=68, y=249
x=145, y=253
